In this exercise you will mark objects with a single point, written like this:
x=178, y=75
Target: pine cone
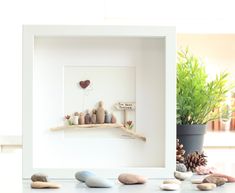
x=179, y=152
x=195, y=159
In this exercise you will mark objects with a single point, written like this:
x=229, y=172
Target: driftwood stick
x=133, y=134
x=87, y=126
x=105, y=126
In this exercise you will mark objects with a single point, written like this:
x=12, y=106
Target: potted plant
x=197, y=97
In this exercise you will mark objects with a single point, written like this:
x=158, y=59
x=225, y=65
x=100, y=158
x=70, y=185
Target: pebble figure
x=76, y=118
x=81, y=119
x=87, y=118
x=108, y=117
x=113, y=119
x=100, y=113
x=93, y=117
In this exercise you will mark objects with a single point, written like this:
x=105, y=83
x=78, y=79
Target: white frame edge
x=29, y=32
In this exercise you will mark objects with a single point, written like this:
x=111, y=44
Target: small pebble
x=130, y=179
x=170, y=187
x=196, y=180
x=41, y=185
x=181, y=168
x=182, y=175
x=215, y=180
x=83, y=175
x=39, y=178
x=206, y=186
x=172, y=181
x=98, y=182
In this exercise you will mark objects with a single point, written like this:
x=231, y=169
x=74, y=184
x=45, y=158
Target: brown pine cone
x=194, y=160
x=179, y=152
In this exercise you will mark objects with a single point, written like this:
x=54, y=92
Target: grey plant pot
x=192, y=137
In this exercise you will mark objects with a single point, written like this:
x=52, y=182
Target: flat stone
x=229, y=178
x=98, y=182
x=182, y=175
x=39, y=178
x=83, y=175
x=170, y=187
x=206, y=186
x=181, y=168
x=196, y=180
x=130, y=179
x=41, y=185
x=171, y=181
x=219, y=181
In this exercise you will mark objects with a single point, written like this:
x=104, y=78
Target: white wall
x=188, y=16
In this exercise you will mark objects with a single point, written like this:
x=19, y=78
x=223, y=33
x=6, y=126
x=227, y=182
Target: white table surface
x=73, y=186
x=11, y=181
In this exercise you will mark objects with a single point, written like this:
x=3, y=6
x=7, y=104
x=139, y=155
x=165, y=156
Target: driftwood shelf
x=101, y=126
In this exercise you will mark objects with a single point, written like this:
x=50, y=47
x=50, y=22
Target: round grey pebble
x=182, y=175
x=39, y=178
x=83, y=175
x=181, y=168
x=98, y=182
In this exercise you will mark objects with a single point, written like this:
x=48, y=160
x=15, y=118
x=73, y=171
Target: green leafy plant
x=196, y=96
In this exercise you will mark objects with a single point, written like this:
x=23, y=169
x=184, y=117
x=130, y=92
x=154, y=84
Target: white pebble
x=196, y=180
x=171, y=181
x=182, y=175
x=170, y=187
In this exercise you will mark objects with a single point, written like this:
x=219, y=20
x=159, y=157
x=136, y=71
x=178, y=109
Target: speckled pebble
x=170, y=187
x=204, y=170
x=83, y=175
x=182, y=175
x=206, y=186
x=98, y=182
x=39, y=178
x=229, y=178
x=181, y=168
x=171, y=181
x=130, y=179
x=215, y=180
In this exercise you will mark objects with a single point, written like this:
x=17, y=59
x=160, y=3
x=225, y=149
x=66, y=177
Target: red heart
x=84, y=84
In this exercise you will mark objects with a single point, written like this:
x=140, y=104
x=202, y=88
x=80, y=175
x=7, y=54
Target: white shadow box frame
x=144, y=59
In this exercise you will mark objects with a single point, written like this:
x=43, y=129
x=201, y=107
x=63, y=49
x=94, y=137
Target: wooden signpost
x=125, y=106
